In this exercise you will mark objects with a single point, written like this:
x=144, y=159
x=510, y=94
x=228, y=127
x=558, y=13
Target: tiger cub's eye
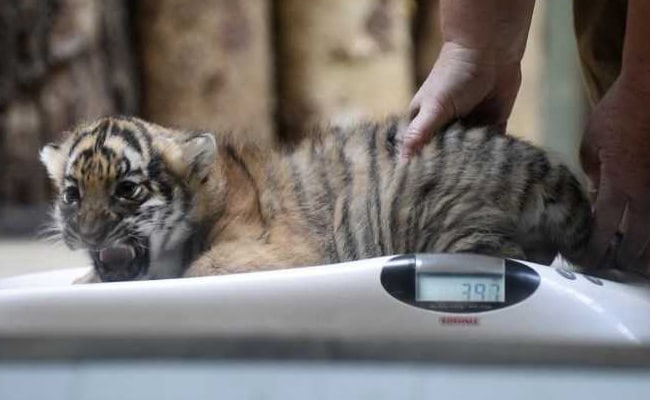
x=128, y=190
x=71, y=195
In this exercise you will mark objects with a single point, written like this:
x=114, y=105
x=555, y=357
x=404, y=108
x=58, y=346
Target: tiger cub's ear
x=52, y=158
x=199, y=153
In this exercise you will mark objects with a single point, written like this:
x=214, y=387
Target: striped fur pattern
x=209, y=205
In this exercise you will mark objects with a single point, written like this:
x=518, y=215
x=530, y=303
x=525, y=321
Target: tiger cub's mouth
x=120, y=263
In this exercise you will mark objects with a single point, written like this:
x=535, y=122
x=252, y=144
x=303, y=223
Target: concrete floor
x=22, y=256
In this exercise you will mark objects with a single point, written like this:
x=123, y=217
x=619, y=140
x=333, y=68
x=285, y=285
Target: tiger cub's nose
x=95, y=233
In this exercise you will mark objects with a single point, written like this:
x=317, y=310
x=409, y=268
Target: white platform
x=308, y=333
x=337, y=311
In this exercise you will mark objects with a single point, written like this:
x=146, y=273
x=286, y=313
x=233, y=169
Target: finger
x=421, y=130
x=610, y=206
x=636, y=235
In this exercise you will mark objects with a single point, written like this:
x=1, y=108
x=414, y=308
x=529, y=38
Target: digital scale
x=410, y=307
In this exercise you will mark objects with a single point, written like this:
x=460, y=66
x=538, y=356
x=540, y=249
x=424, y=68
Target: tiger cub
x=149, y=202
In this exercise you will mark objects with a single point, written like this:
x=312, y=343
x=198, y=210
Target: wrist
x=495, y=29
x=484, y=57
x=469, y=24
x=452, y=50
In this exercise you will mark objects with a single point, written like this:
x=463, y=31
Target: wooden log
x=207, y=64
x=63, y=61
x=427, y=37
x=342, y=61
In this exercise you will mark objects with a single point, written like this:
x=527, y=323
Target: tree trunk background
x=207, y=64
x=341, y=61
x=427, y=38
x=266, y=68
x=57, y=68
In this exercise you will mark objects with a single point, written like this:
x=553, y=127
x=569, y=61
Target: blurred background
x=266, y=68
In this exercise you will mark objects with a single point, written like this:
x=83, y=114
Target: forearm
x=636, y=48
x=498, y=29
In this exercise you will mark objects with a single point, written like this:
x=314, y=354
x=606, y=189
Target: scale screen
x=462, y=287
x=458, y=283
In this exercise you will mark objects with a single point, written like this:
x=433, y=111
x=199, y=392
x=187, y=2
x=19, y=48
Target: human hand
x=615, y=154
x=464, y=83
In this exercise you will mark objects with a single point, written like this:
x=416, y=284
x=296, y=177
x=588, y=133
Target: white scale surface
x=343, y=304
x=599, y=334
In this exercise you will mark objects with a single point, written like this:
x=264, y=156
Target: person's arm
x=477, y=74
x=615, y=153
x=497, y=27
x=636, y=48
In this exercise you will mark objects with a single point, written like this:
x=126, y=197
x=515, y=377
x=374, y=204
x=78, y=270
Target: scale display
x=460, y=288
x=452, y=283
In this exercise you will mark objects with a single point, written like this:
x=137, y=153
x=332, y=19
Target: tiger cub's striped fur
x=151, y=202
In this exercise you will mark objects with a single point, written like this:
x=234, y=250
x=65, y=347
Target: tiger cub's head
x=127, y=193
